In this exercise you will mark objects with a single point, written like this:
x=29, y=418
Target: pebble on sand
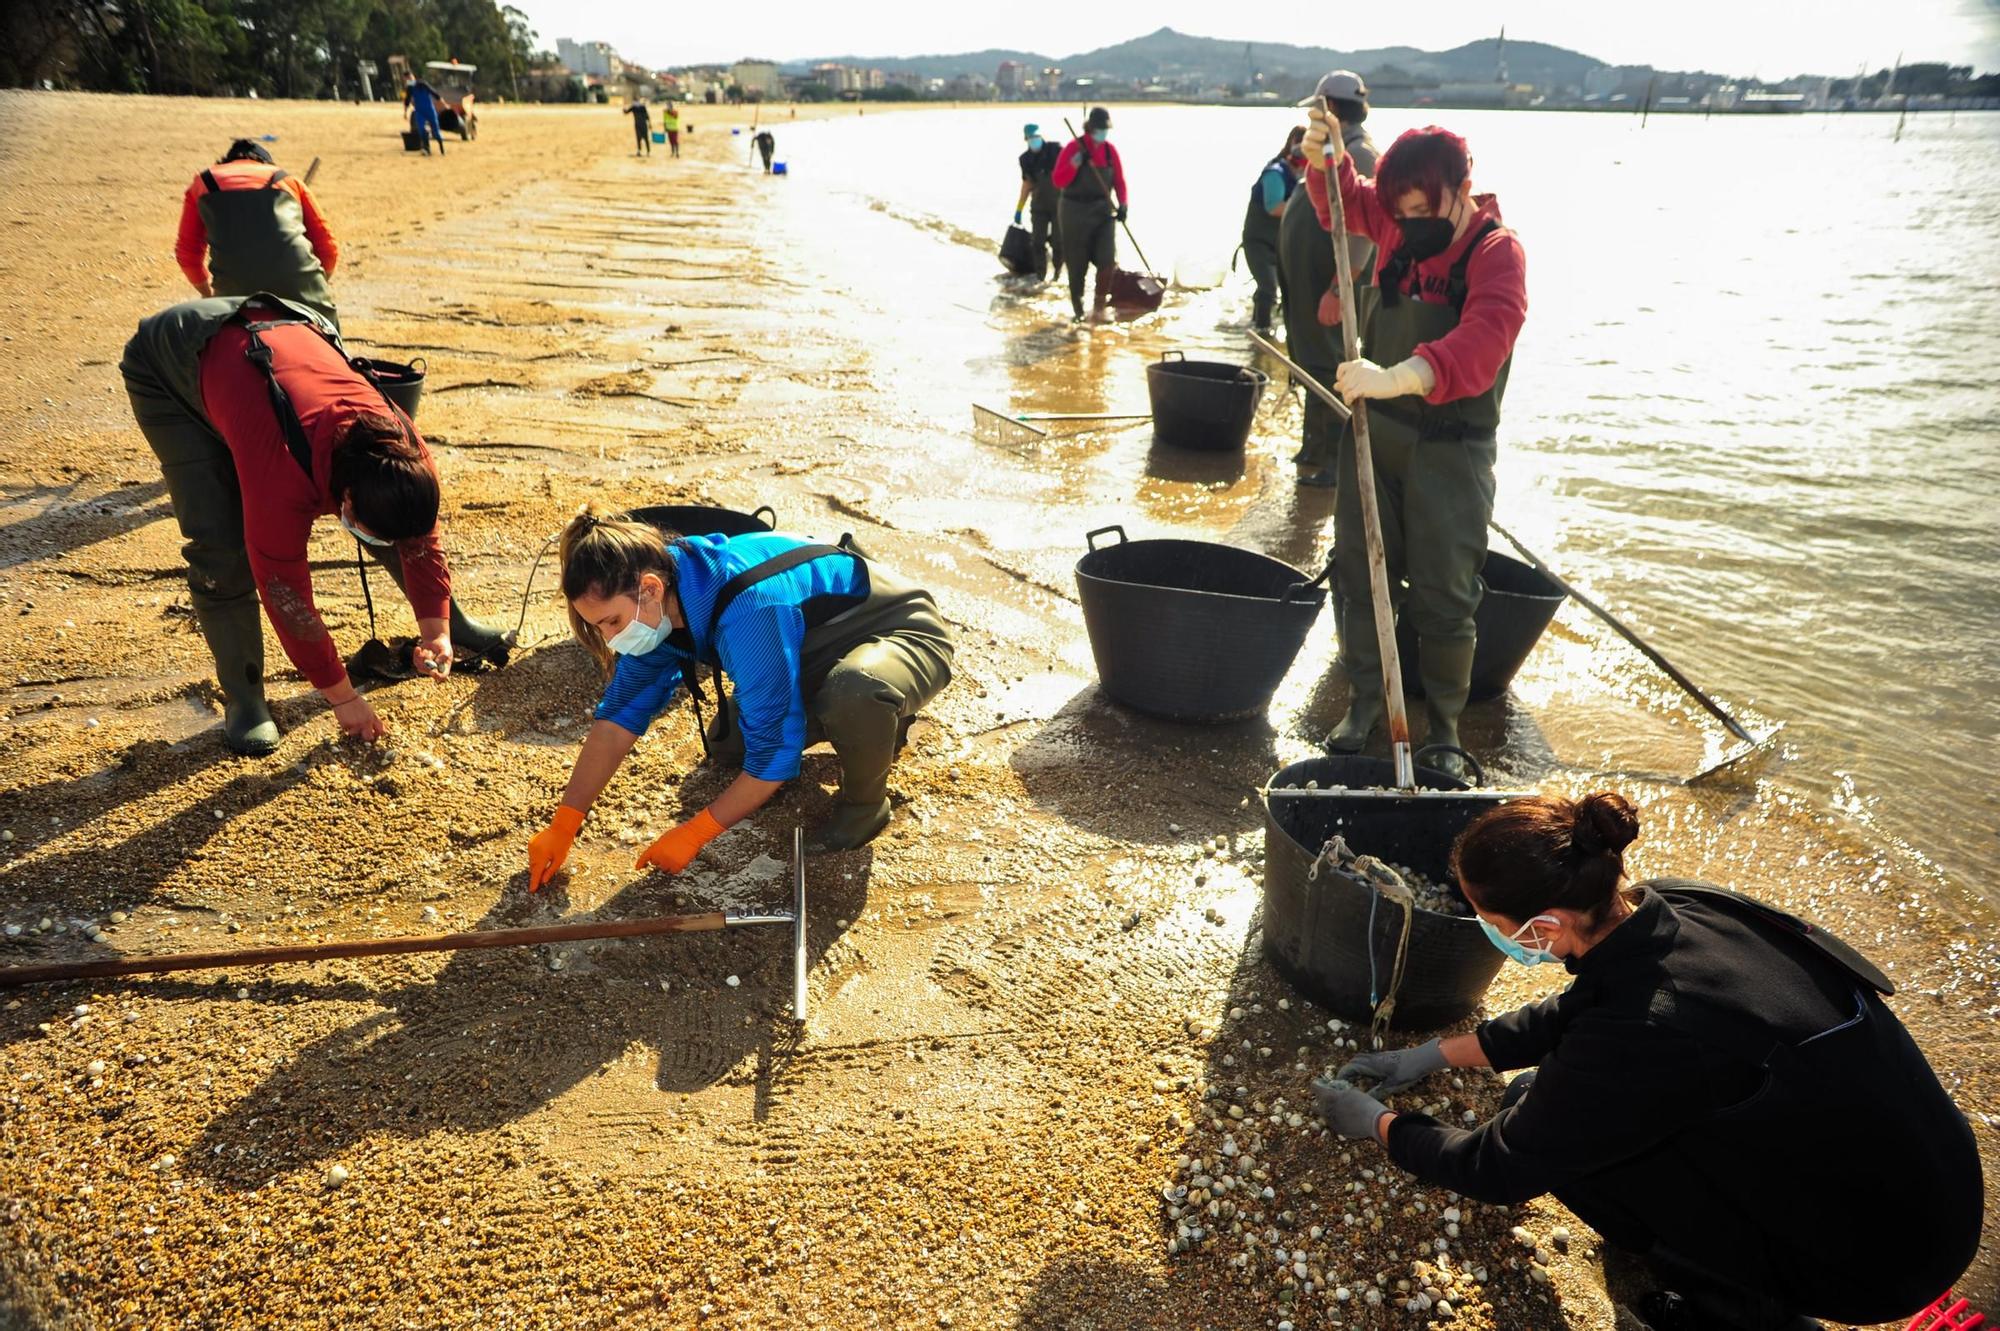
x=732, y=982
x=336, y=1175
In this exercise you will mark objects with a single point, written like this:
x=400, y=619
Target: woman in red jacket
x=262, y=426
x=1453, y=285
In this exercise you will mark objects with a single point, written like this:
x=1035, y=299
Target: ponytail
x=606, y=556
x=1528, y=855
x=380, y=467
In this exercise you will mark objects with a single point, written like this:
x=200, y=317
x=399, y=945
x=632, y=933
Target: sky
x=1769, y=39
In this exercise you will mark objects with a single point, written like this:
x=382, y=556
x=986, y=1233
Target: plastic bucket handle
x=767, y=515
x=1478, y=772
x=1090, y=537
x=1177, y=355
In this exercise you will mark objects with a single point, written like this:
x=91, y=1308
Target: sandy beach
x=1039, y=999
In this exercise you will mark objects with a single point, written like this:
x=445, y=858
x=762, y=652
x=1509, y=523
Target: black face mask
x=1424, y=237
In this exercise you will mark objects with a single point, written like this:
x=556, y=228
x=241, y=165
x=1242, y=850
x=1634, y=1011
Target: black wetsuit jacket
x=1718, y=1086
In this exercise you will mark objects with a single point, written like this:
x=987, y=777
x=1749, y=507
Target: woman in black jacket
x=1720, y=1089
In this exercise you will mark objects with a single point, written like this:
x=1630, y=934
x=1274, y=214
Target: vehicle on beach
x=453, y=82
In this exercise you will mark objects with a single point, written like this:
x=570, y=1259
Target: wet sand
x=1042, y=988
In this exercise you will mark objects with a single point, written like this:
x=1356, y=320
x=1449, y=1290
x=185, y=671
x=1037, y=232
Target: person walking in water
x=1306, y=280
x=642, y=128
x=1038, y=192
x=247, y=226
x=1269, y=194
x=766, y=146
x=1089, y=172
x=1454, y=295
x=1720, y=1092
x=670, y=121
x=420, y=99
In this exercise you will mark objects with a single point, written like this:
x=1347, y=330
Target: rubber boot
x=863, y=722
x=235, y=633
x=1445, y=665
x=473, y=643
x=1365, y=705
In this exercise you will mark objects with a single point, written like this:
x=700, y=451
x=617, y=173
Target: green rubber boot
x=235, y=633
x=1365, y=705
x=863, y=721
x=1445, y=665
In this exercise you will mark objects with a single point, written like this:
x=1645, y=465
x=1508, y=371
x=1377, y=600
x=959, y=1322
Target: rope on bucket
x=1382, y=881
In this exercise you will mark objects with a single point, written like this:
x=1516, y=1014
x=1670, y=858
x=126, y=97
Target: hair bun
x=1606, y=823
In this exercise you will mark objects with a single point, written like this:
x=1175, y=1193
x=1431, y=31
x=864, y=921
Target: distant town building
x=592, y=59
x=1011, y=79
x=758, y=79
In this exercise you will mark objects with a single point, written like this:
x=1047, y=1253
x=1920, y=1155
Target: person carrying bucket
x=1039, y=194
x=1453, y=297
x=1306, y=279
x=642, y=128
x=262, y=425
x=1720, y=1091
x=420, y=100
x=247, y=226
x=817, y=642
x=767, y=145
x=1262, y=215
x=1089, y=171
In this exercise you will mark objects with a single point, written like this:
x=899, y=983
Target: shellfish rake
x=998, y=427
x=735, y=917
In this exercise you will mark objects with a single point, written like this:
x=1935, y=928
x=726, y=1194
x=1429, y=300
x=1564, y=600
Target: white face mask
x=356, y=532
x=638, y=637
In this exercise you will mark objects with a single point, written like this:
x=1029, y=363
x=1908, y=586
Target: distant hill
x=1215, y=61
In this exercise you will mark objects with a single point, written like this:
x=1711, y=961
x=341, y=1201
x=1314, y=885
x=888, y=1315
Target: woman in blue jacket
x=818, y=643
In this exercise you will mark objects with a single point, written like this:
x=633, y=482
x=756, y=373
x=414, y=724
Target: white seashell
x=336, y=1175
x=732, y=982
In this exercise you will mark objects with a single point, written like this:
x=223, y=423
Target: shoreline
x=998, y=1076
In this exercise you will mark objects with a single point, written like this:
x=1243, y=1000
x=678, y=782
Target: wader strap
x=817, y=610
x=276, y=176
x=1857, y=967
x=259, y=354
x=1431, y=425
x=208, y=179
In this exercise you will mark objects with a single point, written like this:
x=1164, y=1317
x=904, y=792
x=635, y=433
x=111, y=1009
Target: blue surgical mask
x=1035, y=144
x=1513, y=949
x=356, y=532
x=1099, y=135
x=638, y=637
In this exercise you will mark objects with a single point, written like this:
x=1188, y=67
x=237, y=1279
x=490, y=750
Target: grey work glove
x=1396, y=1068
x=1351, y=1113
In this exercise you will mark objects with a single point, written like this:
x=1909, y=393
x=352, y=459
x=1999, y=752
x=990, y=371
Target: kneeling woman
x=1721, y=1088
x=818, y=643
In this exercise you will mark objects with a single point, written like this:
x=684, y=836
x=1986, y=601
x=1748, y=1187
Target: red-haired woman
x=262, y=426
x=1720, y=1089
x=1454, y=294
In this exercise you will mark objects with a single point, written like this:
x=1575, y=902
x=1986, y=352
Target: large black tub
x=702, y=520
x=1203, y=404
x=402, y=382
x=1316, y=931
x=1192, y=630
x=1516, y=609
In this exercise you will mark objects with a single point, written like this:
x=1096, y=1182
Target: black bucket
x=1316, y=931
x=1192, y=630
x=1518, y=605
x=1203, y=404
x=412, y=141
x=703, y=520
x=402, y=383
x=1017, y=252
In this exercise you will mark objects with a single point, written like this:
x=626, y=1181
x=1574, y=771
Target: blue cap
x=1030, y=130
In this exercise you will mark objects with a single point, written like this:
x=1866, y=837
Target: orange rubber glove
x=677, y=849
x=550, y=847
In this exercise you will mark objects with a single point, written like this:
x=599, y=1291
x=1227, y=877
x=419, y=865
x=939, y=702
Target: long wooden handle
x=705, y=922
x=1304, y=376
x=1364, y=476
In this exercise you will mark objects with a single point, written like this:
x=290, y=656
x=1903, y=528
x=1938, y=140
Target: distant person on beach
x=262, y=426
x=766, y=146
x=247, y=226
x=420, y=99
x=670, y=121
x=642, y=128
x=817, y=643
x=1454, y=295
x=1088, y=172
x=1038, y=191
x=1306, y=281
x=1269, y=194
x=1720, y=1091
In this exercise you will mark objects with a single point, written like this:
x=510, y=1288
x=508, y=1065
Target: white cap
x=1344, y=84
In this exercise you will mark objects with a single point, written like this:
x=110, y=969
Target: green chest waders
x=257, y=242
x=1434, y=489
